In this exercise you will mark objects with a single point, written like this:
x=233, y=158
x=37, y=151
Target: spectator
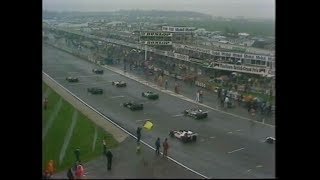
x=45, y=103
x=104, y=146
x=226, y=101
x=200, y=96
x=50, y=168
x=197, y=96
x=79, y=171
x=166, y=84
x=70, y=174
x=77, y=154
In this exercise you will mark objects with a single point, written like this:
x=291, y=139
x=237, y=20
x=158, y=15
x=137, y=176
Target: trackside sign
x=240, y=68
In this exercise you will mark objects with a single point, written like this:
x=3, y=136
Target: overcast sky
x=225, y=8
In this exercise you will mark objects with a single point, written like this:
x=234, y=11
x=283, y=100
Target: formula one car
x=97, y=71
x=95, y=90
x=119, y=83
x=150, y=95
x=270, y=140
x=133, y=105
x=196, y=113
x=184, y=135
x=72, y=79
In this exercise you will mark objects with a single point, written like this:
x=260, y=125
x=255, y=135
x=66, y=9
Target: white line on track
x=116, y=97
x=151, y=147
x=235, y=150
x=68, y=135
x=178, y=115
x=139, y=120
x=97, y=83
x=78, y=76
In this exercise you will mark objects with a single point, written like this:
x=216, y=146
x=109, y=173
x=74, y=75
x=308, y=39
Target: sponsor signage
x=158, y=43
x=161, y=34
x=226, y=54
x=181, y=56
x=177, y=29
x=240, y=68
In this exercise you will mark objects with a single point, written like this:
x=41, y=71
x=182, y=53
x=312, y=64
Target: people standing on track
x=165, y=147
x=138, y=134
x=109, y=159
x=157, y=146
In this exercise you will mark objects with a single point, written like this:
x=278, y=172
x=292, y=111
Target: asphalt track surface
x=226, y=147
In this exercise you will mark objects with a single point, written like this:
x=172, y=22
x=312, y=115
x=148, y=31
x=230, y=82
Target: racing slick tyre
x=184, y=139
x=171, y=134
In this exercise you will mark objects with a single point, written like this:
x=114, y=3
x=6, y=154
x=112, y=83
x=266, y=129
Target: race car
x=119, y=83
x=95, y=90
x=270, y=140
x=97, y=71
x=196, y=113
x=133, y=105
x=72, y=79
x=184, y=135
x=150, y=95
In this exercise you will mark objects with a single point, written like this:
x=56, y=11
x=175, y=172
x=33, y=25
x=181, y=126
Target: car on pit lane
x=184, y=135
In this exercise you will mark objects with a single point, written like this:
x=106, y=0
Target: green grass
x=82, y=137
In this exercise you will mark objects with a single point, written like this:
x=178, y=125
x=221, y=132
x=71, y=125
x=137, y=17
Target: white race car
x=184, y=135
x=270, y=140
